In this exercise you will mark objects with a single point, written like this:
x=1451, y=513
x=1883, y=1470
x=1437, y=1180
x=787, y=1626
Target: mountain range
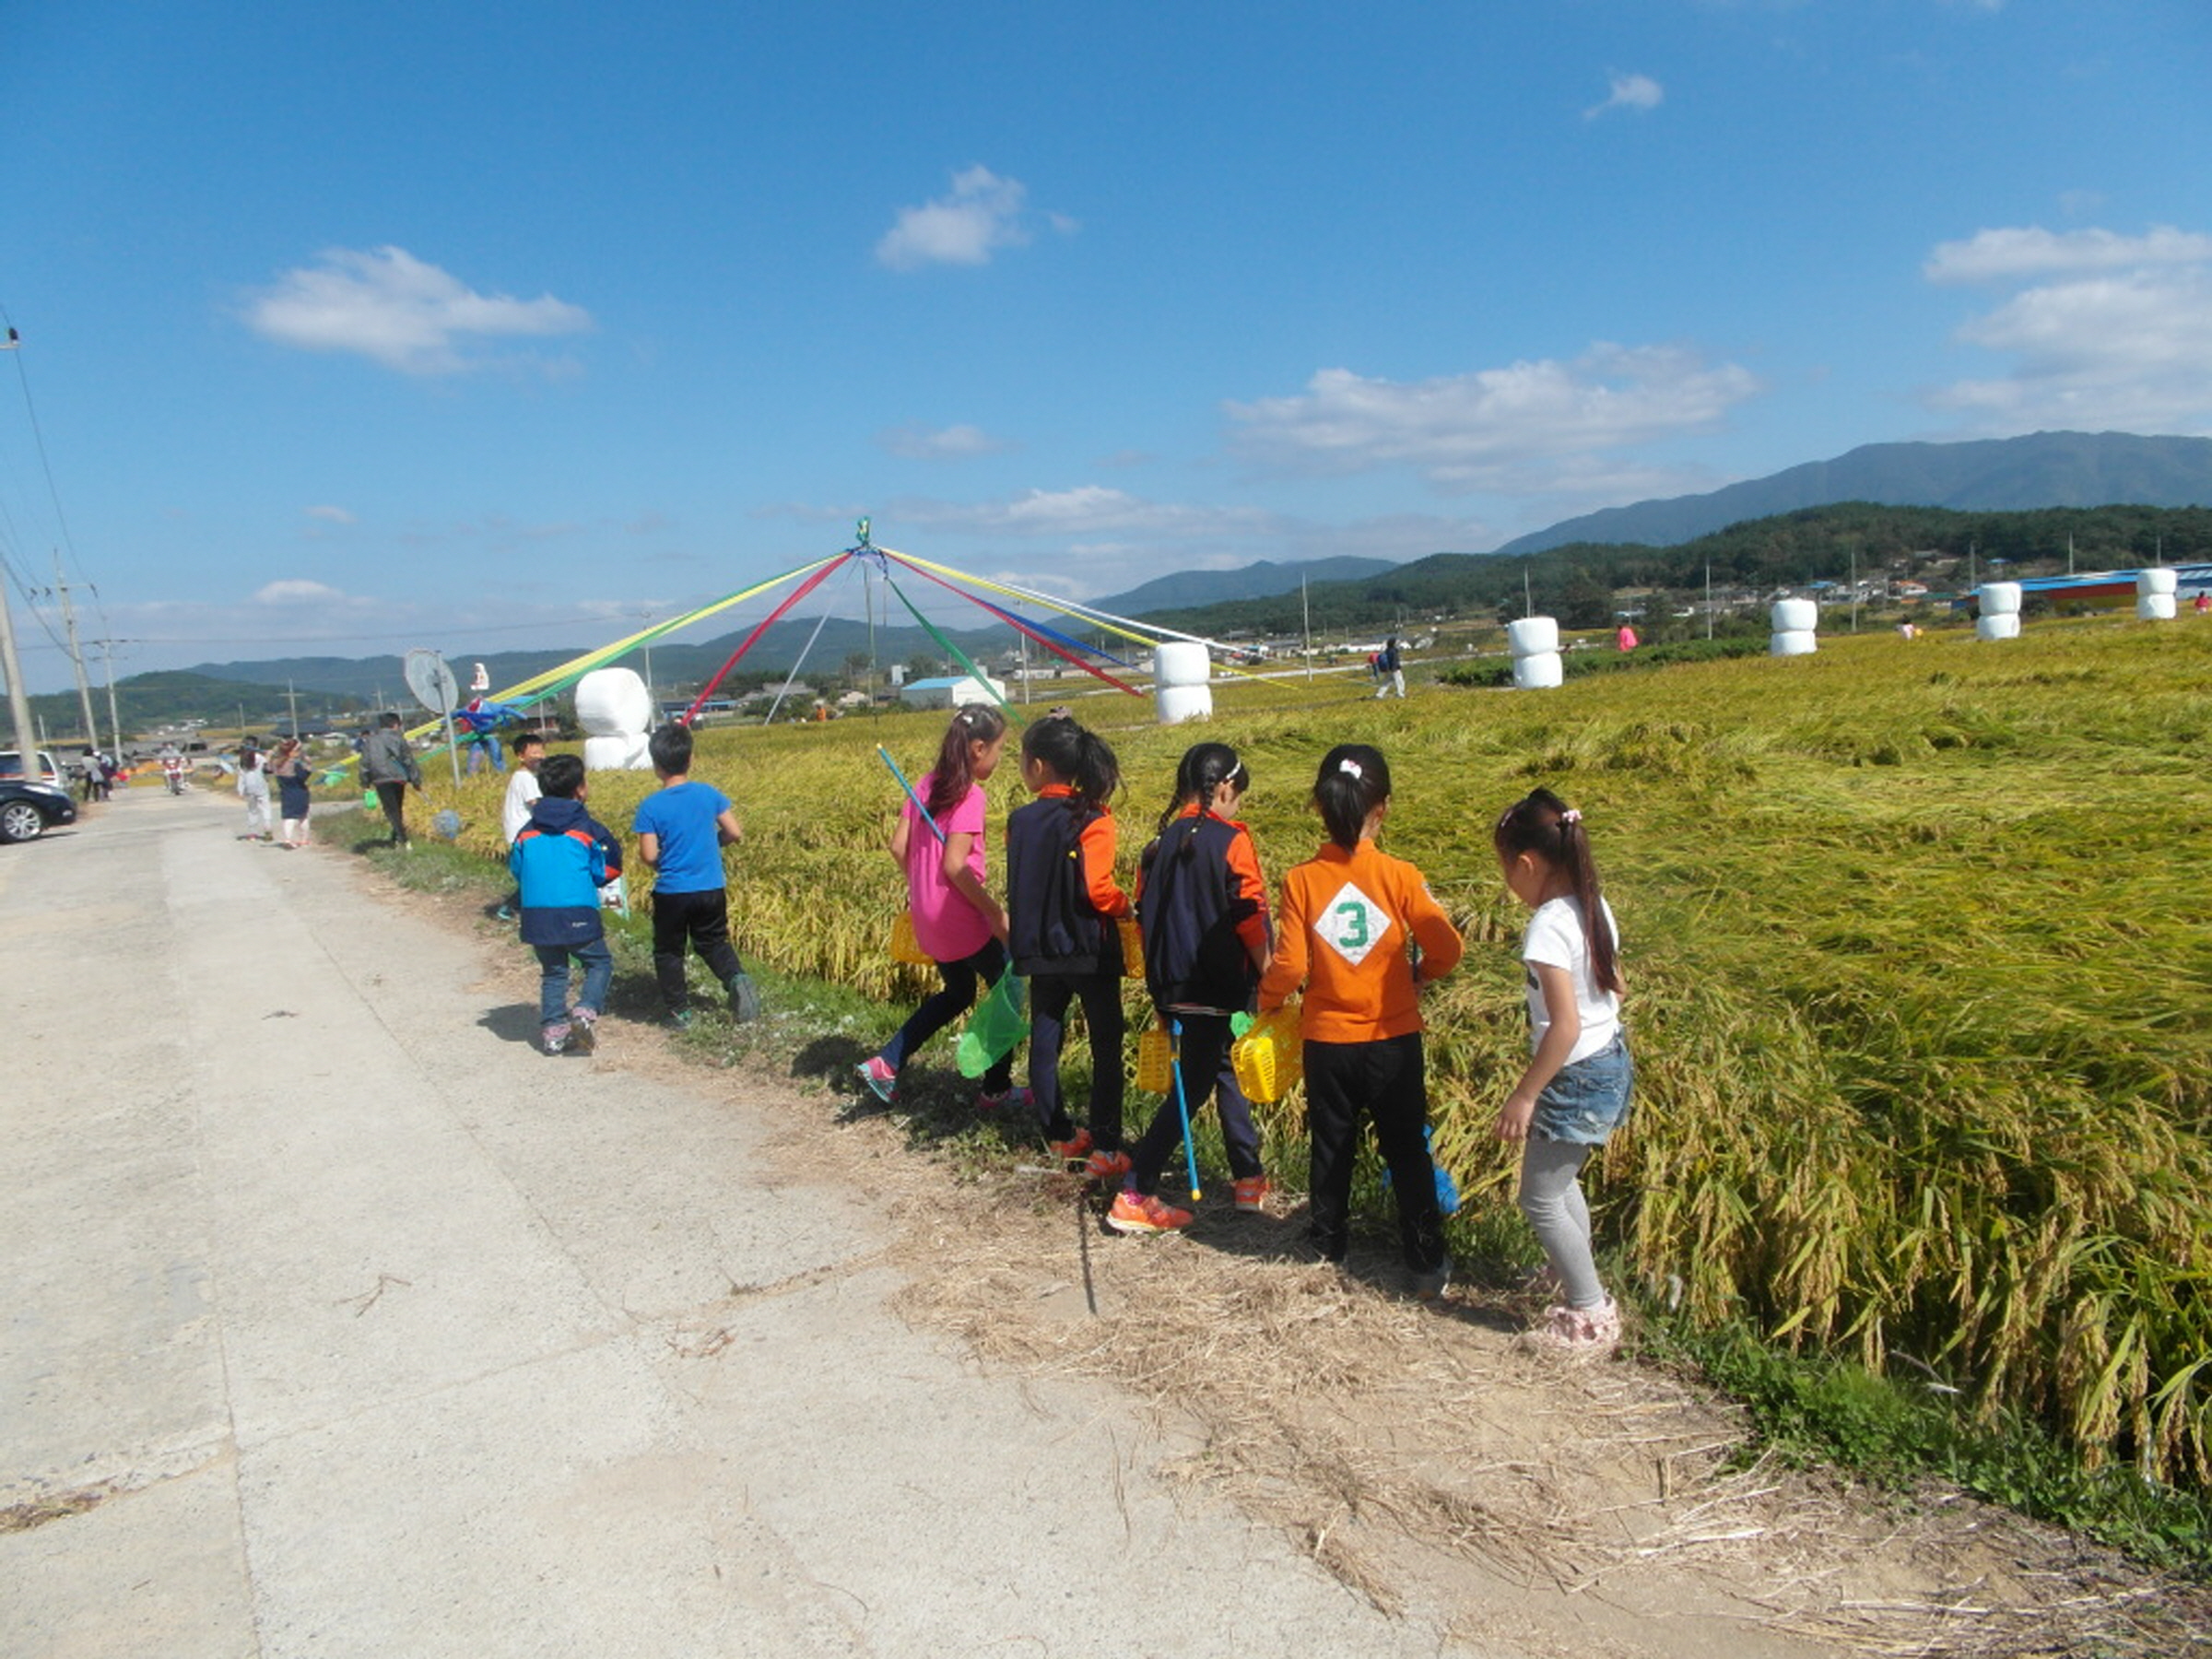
x=1994, y=474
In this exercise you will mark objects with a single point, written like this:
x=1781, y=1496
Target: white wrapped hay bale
x=1793, y=617
x=2004, y=625
x=1793, y=641
x=1175, y=704
x=1182, y=674
x=610, y=700
x=2155, y=607
x=1542, y=671
x=616, y=712
x=1532, y=637
x=1999, y=598
x=2154, y=581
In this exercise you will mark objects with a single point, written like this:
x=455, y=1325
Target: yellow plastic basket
x=1270, y=1058
x=905, y=948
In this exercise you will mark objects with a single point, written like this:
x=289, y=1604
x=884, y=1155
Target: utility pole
x=1708, y=599
x=1306, y=609
x=107, y=653
x=18, y=702
x=291, y=697
x=77, y=656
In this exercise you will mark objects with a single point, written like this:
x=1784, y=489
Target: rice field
x=1919, y=938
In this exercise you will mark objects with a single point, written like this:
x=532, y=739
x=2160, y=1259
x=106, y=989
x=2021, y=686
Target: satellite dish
x=431, y=680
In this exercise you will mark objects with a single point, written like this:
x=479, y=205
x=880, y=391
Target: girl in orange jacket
x=1349, y=917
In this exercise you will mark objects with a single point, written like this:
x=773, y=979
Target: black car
x=29, y=811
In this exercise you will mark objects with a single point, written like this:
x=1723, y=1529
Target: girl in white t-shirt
x=1575, y=1091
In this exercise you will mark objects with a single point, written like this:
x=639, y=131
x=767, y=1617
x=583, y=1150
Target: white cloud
x=2031, y=251
x=1526, y=429
x=1637, y=92
x=2119, y=337
x=331, y=515
x=983, y=214
x=916, y=442
x=388, y=306
x=297, y=591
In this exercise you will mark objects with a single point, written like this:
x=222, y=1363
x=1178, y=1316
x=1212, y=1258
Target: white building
x=950, y=692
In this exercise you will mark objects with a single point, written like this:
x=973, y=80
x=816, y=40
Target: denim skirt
x=1589, y=1099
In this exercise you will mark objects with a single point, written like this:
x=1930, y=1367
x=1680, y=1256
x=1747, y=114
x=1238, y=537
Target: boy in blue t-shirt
x=681, y=830
x=560, y=859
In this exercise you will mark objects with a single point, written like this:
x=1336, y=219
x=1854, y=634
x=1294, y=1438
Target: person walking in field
x=681, y=828
x=1202, y=904
x=1351, y=917
x=560, y=860
x=1390, y=670
x=388, y=767
x=1061, y=906
x=956, y=922
x=1575, y=1091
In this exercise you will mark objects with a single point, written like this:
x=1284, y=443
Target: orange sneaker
x=1135, y=1213
x=1252, y=1194
x=1076, y=1146
x=1107, y=1166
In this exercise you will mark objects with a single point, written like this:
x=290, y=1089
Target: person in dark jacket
x=1203, y=905
x=1063, y=907
x=560, y=861
x=388, y=767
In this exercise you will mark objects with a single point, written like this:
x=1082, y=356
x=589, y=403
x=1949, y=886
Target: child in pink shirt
x=957, y=921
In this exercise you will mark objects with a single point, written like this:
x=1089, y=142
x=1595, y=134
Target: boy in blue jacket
x=560, y=860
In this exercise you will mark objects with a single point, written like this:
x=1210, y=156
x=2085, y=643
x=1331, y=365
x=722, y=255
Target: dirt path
x=347, y=1323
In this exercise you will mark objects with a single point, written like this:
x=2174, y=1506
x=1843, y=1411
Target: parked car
x=11, y=765
x=29, y=811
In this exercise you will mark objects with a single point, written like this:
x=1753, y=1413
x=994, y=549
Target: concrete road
x=343, y=1323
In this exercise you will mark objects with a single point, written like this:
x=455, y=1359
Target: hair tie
x=1570, y=816
x=1349, y=765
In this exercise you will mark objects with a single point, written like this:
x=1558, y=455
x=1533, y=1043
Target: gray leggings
x=1551, y=1197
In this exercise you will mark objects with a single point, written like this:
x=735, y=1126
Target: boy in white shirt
x=515, y=811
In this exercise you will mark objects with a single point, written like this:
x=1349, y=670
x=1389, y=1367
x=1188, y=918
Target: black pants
x=1101, y=994
x=1387, y=1082
x=393, y=798
x=963, y=979
x=1203, y=1064
x=700, y=919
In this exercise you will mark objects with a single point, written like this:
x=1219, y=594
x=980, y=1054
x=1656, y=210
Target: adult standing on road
x=253, y=788
x=388, y=767
x=290, y=769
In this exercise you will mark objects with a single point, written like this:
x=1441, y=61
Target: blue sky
x=348, y=328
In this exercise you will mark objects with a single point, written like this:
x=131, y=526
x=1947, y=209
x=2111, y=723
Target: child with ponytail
x=957, y=921
x=1350, y=914
x=1575, y=1091
x=1061, y=906
x=1202, y=904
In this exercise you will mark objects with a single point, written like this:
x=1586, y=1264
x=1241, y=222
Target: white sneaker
x=1577, y=1332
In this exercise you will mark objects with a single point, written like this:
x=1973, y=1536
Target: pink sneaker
x=880, y=1076
x=1012, y=1099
